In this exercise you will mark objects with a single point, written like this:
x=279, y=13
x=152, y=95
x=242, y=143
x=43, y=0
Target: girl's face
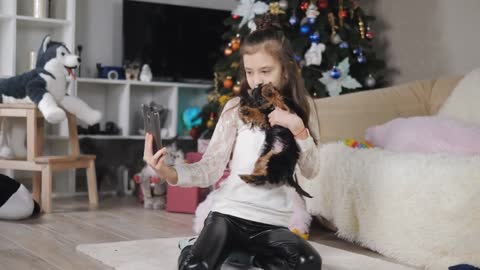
x=262, y=68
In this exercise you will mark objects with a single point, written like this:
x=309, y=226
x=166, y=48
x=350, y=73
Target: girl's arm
x=310, y=154
x=210, y=168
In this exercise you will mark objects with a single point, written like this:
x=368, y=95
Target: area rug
x=162, y=253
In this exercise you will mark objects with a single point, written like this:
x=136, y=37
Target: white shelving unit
x=120, y=102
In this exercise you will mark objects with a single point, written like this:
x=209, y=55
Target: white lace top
x=233, y=141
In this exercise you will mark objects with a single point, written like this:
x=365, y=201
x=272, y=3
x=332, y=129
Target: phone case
x=152, y=124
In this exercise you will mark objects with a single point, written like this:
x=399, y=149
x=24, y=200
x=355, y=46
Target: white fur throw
x=462, y=104
x=420, y=209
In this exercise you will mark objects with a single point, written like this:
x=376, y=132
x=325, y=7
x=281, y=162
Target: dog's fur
x=280, y=153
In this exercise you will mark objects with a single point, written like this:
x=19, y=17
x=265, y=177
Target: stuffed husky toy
x=15, y=200
x=46, y=85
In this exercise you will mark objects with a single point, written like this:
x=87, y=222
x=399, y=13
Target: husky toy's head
x=55, y=57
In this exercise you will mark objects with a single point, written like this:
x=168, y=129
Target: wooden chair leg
x=92, y=184
x=47, y=188
x=36, y=186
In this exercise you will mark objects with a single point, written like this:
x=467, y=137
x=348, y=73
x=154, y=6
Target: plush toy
x=299, y=222
x=15, y=200
x=152, y=188
x=46, y=85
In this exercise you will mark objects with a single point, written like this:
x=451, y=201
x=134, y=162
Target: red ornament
x=235, y=17
x=323, y=4
x=370, y=35
x=304, y=6
x=228, y=83
x=342, y=14
x=194, y=133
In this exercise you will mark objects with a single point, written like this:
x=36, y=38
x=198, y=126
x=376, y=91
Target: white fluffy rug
x=162, y=254
x=422, y=210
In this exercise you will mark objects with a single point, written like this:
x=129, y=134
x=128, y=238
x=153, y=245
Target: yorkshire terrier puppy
x=280, y=151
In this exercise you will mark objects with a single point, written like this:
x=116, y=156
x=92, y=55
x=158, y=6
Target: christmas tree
x=332, y=40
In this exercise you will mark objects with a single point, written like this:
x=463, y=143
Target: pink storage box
x=186, y=200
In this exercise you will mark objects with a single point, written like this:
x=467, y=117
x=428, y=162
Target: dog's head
x=54, y=56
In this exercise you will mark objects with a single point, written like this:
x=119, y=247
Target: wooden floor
x=49, y=241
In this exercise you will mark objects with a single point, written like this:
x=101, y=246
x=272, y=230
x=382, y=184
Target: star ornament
x=334, y=86
x=247, y=9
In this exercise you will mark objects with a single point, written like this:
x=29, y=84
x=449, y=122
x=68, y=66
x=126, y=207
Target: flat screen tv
x=180, y=43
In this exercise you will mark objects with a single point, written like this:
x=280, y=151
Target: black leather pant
x=272, y=247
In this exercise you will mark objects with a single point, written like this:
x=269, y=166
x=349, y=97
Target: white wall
x=99, y=29
x=429, y=38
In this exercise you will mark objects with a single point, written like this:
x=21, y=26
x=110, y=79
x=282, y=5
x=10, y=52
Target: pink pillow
x=426, y=134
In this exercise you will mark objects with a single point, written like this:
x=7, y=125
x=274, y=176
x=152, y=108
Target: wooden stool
x=44, y=166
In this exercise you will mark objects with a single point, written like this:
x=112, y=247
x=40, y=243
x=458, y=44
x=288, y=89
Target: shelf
x=5, y=17
x=139, y=83
x=41, y=22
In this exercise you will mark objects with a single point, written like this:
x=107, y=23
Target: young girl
x=250, y=217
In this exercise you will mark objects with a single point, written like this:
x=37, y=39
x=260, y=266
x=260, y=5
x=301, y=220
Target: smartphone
x=152, y=124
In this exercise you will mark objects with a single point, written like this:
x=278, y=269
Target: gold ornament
x=235, y=65
x=275, y=9
x=331, y=20
x=361, y=27
x=223, y=99
x=228, y=51
x=210, y=123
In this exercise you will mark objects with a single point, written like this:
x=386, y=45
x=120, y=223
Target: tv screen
x=180, y=43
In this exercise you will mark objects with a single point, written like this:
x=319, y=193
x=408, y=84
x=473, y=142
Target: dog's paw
x=253, y=179
x=54, y=115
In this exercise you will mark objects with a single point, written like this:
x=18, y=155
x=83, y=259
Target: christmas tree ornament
x=315, y=37
x=342, y=14
x=336, y=39
x=236, y=89
x=322, y=4
x=357, y=51
x=235, y=43
x=370, y=81
x=228, y=83
x=312, y=13
x=361, y=59
x=235, y=17
x=275, y=9
x=369, y=35
x=344, y=45
x=194, y=133
x=335, y=73
x=283, y=4
x=304, y=6
x=293, y=19
x=235, y=64
x=247, y=9
x=334, y=86
x=252, y=26
x=228, y=51
x=314, y=55
x=361, y=27
x=305, y=28
x=211, y=122
x=331, y=21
